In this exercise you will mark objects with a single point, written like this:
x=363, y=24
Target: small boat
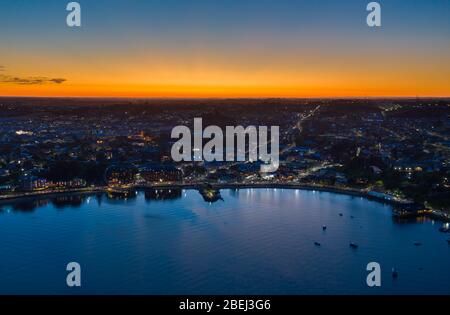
x=394, y=273
x=353, y=245
x=417, y=244
x=448, y=241
x=121, y=192
x=324, y=227
x=341, y=215
x=352, y=217
x=317, y=244
x=210, y=194
x=443, y=229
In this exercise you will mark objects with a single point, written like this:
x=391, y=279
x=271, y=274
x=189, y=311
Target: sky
x=225, y=48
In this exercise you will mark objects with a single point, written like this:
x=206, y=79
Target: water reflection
x=99, y=198
x=162, y=194
x=411, y=219
x=29, y=206
x=72, y=201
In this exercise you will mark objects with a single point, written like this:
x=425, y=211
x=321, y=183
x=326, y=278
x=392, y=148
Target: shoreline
x=8, y=199
x=104, y=189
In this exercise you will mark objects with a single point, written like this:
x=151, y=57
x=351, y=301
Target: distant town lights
x=24, y=133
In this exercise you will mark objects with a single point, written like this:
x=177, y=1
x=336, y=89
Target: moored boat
x=210, y=194
x=121, y=192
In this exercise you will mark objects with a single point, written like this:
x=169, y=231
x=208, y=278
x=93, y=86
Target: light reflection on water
x=255, y=241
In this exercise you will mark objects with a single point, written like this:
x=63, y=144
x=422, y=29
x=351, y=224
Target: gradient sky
x=225, y=48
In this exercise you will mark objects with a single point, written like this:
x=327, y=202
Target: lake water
x=255, y=241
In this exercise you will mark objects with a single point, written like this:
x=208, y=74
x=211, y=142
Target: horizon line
x=225, y=98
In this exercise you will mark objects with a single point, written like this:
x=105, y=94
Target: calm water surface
x=255, y=241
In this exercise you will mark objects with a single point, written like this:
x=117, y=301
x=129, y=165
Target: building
x=33, y=183
x=161, y=173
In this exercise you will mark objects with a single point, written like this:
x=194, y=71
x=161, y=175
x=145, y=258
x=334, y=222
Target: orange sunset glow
x=172, y=78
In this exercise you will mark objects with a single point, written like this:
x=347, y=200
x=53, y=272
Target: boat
x=341, y=215
x=121, y=192
x=317, y=244
x=353, y=245
x=444, y=229
x=210, y=194
x=324, y=227
x=394, y=273
x=417, y=244
x=448, y=241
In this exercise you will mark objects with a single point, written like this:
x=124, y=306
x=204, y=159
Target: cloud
x=29, y=80
x=58, y=80
x=36, y=80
